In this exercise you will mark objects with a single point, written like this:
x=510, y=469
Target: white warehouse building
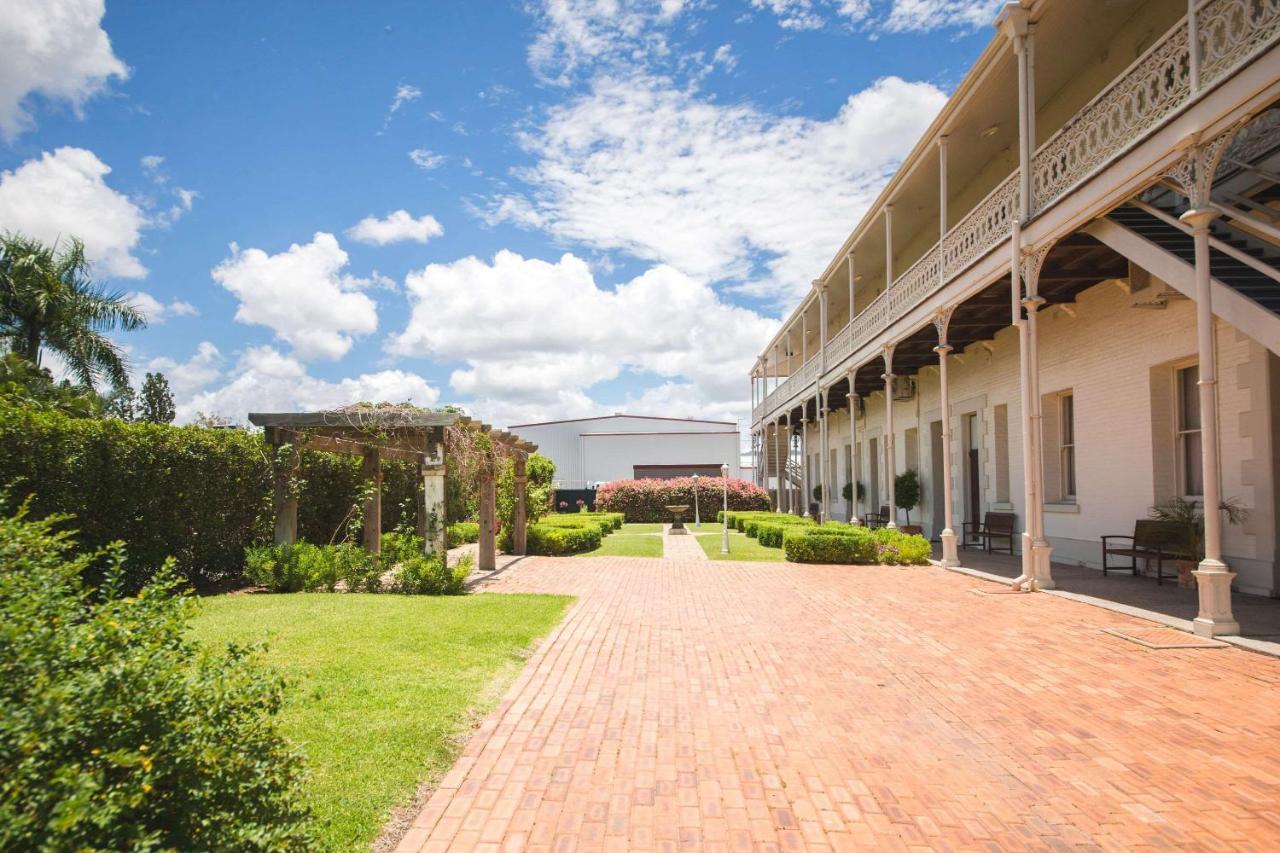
x=587, y=451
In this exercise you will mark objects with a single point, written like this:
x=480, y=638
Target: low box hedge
x=855, y=545
x=552, y=541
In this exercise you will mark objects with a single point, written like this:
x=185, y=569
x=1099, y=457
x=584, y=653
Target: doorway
x=873, y=475
x=936, y=478
x=973, y=489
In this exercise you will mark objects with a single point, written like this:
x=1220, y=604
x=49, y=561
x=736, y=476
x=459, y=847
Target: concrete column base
x=950, y=548
x=1213, y=582
x=1040, y=565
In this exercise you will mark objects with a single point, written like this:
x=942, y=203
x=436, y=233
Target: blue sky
x=535, y=209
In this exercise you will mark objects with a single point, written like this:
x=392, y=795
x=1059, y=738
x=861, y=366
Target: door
x=936, y=478
x=873, y=476
x=973, y=489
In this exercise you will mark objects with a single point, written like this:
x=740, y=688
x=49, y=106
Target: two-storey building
x=1065, y=304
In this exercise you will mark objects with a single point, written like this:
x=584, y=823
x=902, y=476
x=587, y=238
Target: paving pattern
x=698, y=705
x=682, y=546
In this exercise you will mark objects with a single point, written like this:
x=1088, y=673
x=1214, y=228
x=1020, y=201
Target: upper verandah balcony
x=1102, y=75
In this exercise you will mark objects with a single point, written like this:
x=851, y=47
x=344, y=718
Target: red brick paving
x=729, y=706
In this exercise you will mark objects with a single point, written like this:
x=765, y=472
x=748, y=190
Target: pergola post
x=371, y=469
x=435, y=538
x=520, y=533
x=488, y=511
x=285, y=501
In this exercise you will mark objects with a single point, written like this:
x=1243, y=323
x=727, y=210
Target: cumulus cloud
x=425, y=159
x=188, y=377
x=264, y=380
x=65, y=194
x=573, y=35
x=156, y=311
x=56, y=49
x=641, y=166
x=395, y=227
x=301, y=294
x=926, y=15
x=536, y=334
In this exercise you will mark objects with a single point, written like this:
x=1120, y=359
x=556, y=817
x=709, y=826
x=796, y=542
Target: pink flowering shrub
x=646, y=500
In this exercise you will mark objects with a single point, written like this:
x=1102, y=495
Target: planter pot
x=1186, y=580
x=910, y=529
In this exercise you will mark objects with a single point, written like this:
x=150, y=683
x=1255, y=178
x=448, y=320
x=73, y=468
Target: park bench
x=1151, y=540
x=994, y=526
x=877, y=519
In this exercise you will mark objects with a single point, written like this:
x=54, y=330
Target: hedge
x=462, y=533
x=647, y=500
x=855, y=545
x=555, y=541
x=199, y=495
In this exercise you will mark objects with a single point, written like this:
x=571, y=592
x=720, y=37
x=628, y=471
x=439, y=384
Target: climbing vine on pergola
x=405, y=434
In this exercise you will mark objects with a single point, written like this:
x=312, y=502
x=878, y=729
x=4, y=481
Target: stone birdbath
x=677, y=517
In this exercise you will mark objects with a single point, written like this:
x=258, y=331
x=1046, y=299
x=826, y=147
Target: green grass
x=741, y=547
x=381, y=686
x=642, y=527
x=627, y=544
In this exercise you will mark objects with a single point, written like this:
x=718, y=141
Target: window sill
x=1070, y=508
x=1003, y=506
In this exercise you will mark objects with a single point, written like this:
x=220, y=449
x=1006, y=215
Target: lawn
x=381, y=686
x=741, y=547
x=632, y=540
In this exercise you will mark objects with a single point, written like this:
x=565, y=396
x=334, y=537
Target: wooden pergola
x=403, y=434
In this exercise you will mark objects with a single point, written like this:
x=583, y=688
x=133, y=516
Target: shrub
x=412, y=572
x=120, y=732
x=555, y=541
x=906, y=491
x=281, y=568
x=646, y=500
x=850, y=544
x=462, y=533
x=751, y=524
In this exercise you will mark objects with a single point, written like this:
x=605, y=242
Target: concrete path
x=681, y=546
x=729, y=706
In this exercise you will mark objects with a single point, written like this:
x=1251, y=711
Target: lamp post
x=697, y=519
x=724, y=517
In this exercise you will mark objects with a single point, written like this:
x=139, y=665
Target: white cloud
x=576, y=34
x=151, y=164
x=64, y=194
x=395, y=227
x=156, y=311
x=641, y=166
x=404, y=94
x=265, y=380
x=793, y=14
x=926, y=15
x=425, y=159
x=188, y=377
x=302, y=295
x=53, y=48
x=535, y=335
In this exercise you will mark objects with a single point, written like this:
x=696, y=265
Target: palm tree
x=48, y=301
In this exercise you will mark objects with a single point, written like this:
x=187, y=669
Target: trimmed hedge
x=855, y=545
x=462, y=533
x=553, y=541
x=647, y=500
x=199, y=495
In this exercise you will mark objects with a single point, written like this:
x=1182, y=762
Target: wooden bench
x=1151, y=540
x=876, y=519
x=994, y=525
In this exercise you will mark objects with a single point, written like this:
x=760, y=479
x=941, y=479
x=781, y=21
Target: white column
x=780, y=462
x=950, y=553
x=888, y=246
x=1029, y=496
x=1014, y=21
x=824, y=399
x=852, y=282
x=1193, y=41
x=942, y=208
x=821, y=287
x=790, y=351
x=804, y=460
x=777, y=366
x=853, y=449
x=1213, y=577
x=891, y=455
x=804, y=337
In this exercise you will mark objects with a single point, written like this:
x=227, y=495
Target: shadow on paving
x=1259, y=617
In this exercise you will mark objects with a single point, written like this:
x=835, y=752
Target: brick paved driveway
x=714, y=706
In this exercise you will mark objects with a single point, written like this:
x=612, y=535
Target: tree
x=48, y=301
x=906, y=491
x=156, y=402
x=25, y=384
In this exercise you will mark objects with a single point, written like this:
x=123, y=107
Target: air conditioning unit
x=1147, y=291
x=904, y=388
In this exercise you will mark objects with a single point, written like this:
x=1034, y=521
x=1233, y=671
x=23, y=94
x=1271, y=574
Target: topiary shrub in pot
x=906, y=495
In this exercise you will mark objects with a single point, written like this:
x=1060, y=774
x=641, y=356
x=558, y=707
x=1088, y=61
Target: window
x=1067, y=445
x=1190, y=462
x=1001, y=417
